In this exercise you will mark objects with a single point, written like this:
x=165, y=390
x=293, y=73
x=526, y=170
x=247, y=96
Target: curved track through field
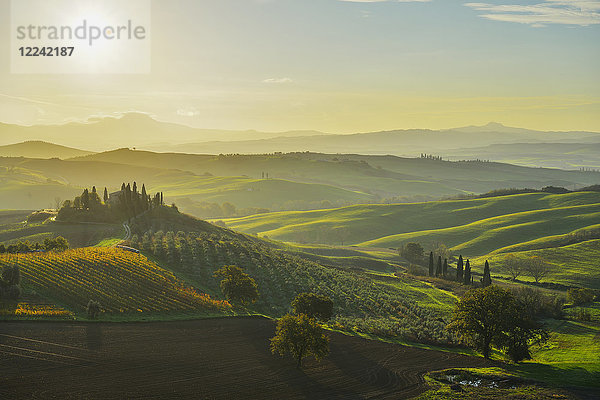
x=225, y=358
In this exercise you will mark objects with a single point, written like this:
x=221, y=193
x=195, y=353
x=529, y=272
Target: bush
x=539, y=305
x=416, y=270
x=93, y=309
x=413, y=252
x=580, y=296
x=12, y=292
x=313, y=305
x=583, y=315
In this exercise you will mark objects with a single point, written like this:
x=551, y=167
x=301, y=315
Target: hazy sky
x=341, y=66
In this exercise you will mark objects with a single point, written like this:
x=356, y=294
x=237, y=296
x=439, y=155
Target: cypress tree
x=438, y=267
x=487, y=279
x=134, y=187
x=459, y=269
x=431, y=263
x=161, y=198
x=105, y=195
x=122, y=186
x=85, y=199
x=93, y=189
x=467, y=276
x=445, y=268
x=144, y=197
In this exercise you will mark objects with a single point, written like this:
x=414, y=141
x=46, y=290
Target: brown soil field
x=225, y=358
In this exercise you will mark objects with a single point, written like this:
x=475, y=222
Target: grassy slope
x=380, y=174
x=365, y=223
x=570, y=359
x=247, y=192
x=486, y=235
x=78, y=234
x=34, y=183
x=577, y=264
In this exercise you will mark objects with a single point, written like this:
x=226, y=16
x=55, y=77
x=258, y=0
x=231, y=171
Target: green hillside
x=385, y=176
x=576, y=265
x=14, y=228
x=486, y=235
x=35, y=183
x=380, y=303
x=247, y=192
x=455, y=222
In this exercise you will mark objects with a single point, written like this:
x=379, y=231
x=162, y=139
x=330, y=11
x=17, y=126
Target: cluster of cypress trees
x=463, y=273
x=127, y=203
x=463, y=270
x=441, y=268
x=131, y=202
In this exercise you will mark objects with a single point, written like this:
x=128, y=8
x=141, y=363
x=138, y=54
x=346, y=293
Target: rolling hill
x=35, y=183
x=574, y=265
x=548, y=155
x=40, y=149
x=469, y=225
x=384, y=176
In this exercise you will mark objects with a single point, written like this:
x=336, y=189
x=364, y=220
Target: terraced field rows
x=121, y=281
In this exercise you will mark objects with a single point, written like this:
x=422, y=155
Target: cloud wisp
x=278, y=80
x=562, y=12
x=389, y=1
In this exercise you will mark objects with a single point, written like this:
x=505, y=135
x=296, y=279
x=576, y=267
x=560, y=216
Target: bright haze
x=339, y=67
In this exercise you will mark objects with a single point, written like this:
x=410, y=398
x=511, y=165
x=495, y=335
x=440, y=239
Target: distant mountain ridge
x=129, y=130
x=410, y=142
x=142, y=131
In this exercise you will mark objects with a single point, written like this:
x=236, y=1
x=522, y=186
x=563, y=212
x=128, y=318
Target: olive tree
x=492, y=316
x=237, y=286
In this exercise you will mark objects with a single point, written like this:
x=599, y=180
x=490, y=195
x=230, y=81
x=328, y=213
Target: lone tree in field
x=538, y=269
x=237, y=286
x=487, y=278
x=300, y=336
x=492, y=316
x=459, y=269
x=313, y=305
x=431, y=263
x=413, y=252
x=467, y=277
x=513, y=266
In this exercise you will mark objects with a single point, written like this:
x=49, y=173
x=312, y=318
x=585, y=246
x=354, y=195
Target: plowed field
x=225, y=358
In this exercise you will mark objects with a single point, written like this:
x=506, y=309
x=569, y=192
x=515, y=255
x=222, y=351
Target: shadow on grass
x=564, y=377
x=572, y=328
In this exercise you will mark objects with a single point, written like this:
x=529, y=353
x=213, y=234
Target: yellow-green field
x=474, y=227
